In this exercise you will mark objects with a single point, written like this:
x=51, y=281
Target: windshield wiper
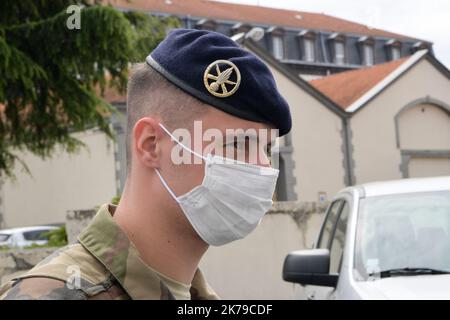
x=411, y=272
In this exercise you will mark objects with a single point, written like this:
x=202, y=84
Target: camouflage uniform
x=109, y=266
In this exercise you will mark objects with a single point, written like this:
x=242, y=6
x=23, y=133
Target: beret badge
x=222, y=78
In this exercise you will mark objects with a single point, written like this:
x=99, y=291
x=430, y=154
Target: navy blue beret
x=216, y=70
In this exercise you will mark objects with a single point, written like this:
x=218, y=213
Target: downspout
x=347, y=146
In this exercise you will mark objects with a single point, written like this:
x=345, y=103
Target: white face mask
x=231, y=200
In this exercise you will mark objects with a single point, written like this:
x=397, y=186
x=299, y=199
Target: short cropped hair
x=150, y=94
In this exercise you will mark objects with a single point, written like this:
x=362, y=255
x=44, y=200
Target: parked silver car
x=26, y=236
x=384, y=240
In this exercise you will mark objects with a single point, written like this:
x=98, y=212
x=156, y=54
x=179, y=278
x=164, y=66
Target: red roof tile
x=255, y=14
x=346, y=87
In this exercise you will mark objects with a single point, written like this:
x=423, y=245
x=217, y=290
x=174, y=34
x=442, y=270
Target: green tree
x=50, y=74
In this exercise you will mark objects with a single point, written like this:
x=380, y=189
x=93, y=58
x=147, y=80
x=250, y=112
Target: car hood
x=407, y=287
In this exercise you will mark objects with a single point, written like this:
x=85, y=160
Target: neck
x=161, y=233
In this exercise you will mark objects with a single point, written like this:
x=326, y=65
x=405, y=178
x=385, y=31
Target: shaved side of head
x=149, y=94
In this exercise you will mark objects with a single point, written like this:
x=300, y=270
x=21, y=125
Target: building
x=313, y=156
x=54, y=186
x=400, y=117
x=310, y=44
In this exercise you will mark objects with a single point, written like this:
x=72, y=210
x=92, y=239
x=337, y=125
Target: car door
x=337, y=246
x=331, y=237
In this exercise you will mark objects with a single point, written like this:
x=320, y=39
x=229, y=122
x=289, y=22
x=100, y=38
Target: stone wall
x=76, y=221
x=16, y=261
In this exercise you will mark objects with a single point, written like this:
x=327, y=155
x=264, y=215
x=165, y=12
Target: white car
x=383, y=240
x=26, y=236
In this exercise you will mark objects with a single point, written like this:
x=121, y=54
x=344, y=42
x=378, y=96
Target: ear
x=146, y=142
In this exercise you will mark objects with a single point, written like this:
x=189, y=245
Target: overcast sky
x=423, y=19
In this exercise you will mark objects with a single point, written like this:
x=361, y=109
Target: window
x=308, y=50
x=368, y=54
x=277, y=47
x=337, y=48
x=277, y=42
x=240, y=27
x=307, y=45
x=328, y=225
x=395, y=53
x=403, y=230
x=333, y=233
x=4, y=237
x=339, y=52
x=35, y=235
x=338, y=242
x=393, y=49
x=206, y=24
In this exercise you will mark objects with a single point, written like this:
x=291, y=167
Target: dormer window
x=240, y=27
x=206, y=24
x=395, y=53
x=277, y=42
x=309, y=53
x=307, y=44
x=339, y=52
x=393, y=49
x=367, y=52
x=419, y=45
x=338, y=48
x=278, y=47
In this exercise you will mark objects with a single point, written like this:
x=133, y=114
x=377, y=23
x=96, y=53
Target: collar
x=104, y=239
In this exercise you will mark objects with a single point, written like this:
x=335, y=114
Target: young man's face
x=216, y=133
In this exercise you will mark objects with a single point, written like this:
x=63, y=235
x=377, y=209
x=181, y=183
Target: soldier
x=150, y=245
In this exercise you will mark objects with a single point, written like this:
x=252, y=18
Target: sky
x=423, y=19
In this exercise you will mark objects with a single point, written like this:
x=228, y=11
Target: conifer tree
x=50, y=73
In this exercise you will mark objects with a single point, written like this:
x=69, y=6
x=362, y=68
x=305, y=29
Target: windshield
x=403, y=231
x=4, y=237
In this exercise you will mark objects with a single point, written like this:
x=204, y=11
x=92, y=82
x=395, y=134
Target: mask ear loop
x=184, y=147
x=166, y=186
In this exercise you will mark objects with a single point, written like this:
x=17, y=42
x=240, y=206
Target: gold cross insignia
x=222, y=83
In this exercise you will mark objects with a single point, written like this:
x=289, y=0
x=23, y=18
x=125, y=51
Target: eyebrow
x=230, y=138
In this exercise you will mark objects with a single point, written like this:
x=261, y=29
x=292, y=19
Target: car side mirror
x=309, y=267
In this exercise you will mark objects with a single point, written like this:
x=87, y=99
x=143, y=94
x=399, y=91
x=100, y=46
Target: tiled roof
x=347, y=87
x=255, y=14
